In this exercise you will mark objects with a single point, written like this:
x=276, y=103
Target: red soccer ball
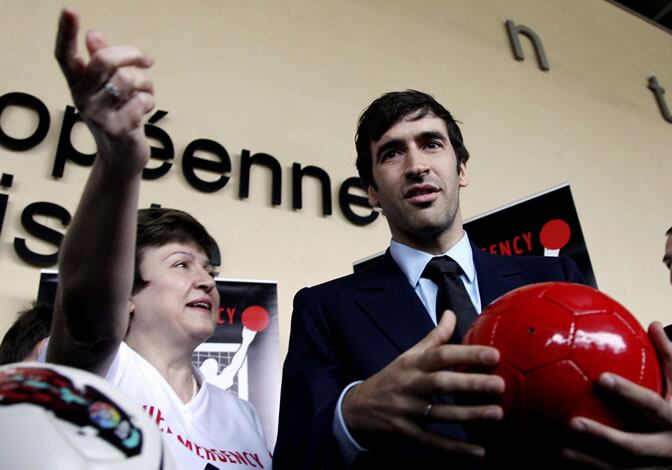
x=555, y=339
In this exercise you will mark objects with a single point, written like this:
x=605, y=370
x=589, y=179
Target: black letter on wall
x=246, y=161
x=26, y=101
x=65, y=151
x=190, y=161
x=164, y=153
x=514, y=31
x=297, y=190
x=41, y=231
x=658, y=91
x=345, y=200
x=6, y=182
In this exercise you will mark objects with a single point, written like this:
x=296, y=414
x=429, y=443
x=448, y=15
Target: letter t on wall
x=659, y=91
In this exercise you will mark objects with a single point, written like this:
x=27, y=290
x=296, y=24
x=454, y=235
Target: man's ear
x=462, y=176
x=373, y=196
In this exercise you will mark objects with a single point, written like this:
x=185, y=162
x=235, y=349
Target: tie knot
x=440, y=265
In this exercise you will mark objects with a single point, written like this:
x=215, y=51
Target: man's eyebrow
x=394, y=143
x=433, y=135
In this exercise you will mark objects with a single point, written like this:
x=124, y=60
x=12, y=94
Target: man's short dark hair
x=160, y=226
x=669, y=231
x=31, y=327
x=391, y=108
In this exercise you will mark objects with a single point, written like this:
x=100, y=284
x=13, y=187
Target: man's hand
x=394, y=401
x=651, y=448
x=111, y=93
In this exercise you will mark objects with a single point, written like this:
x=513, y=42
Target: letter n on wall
x=514, y=32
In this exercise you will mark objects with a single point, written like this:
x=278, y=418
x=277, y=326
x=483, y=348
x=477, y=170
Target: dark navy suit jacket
x=350, y=328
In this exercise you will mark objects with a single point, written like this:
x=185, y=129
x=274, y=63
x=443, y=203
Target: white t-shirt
x=216, y=428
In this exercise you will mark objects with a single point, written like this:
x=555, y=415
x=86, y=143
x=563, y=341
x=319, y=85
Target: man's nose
x=416, y=163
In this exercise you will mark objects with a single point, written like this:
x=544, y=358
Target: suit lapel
x=392, y=304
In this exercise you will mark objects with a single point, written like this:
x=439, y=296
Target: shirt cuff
x=349, y=448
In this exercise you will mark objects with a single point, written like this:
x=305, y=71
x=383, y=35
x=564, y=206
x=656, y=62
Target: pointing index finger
x=65, y=50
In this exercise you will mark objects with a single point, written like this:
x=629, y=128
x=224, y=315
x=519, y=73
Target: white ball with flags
x=61, y=418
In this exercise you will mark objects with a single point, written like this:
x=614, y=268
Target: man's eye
x=434, y=145
x=180, y=264
x=389, y=154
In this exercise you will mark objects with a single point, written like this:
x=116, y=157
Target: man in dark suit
x=372, y=365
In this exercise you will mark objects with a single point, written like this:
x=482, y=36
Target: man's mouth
x=421, y=193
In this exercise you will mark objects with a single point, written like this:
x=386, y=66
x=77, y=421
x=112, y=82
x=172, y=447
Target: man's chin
x=431, y=227
x=430, y=221
x=426, y=229
x=430, y=232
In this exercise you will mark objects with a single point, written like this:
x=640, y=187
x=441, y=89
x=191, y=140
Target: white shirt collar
x=412, y=261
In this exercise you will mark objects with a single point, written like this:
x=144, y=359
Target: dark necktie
x=452, y=294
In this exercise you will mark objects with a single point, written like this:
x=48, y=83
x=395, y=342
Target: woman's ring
x=112, y=90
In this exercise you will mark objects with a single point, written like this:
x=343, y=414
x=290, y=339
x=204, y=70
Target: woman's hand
x=111, y=92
